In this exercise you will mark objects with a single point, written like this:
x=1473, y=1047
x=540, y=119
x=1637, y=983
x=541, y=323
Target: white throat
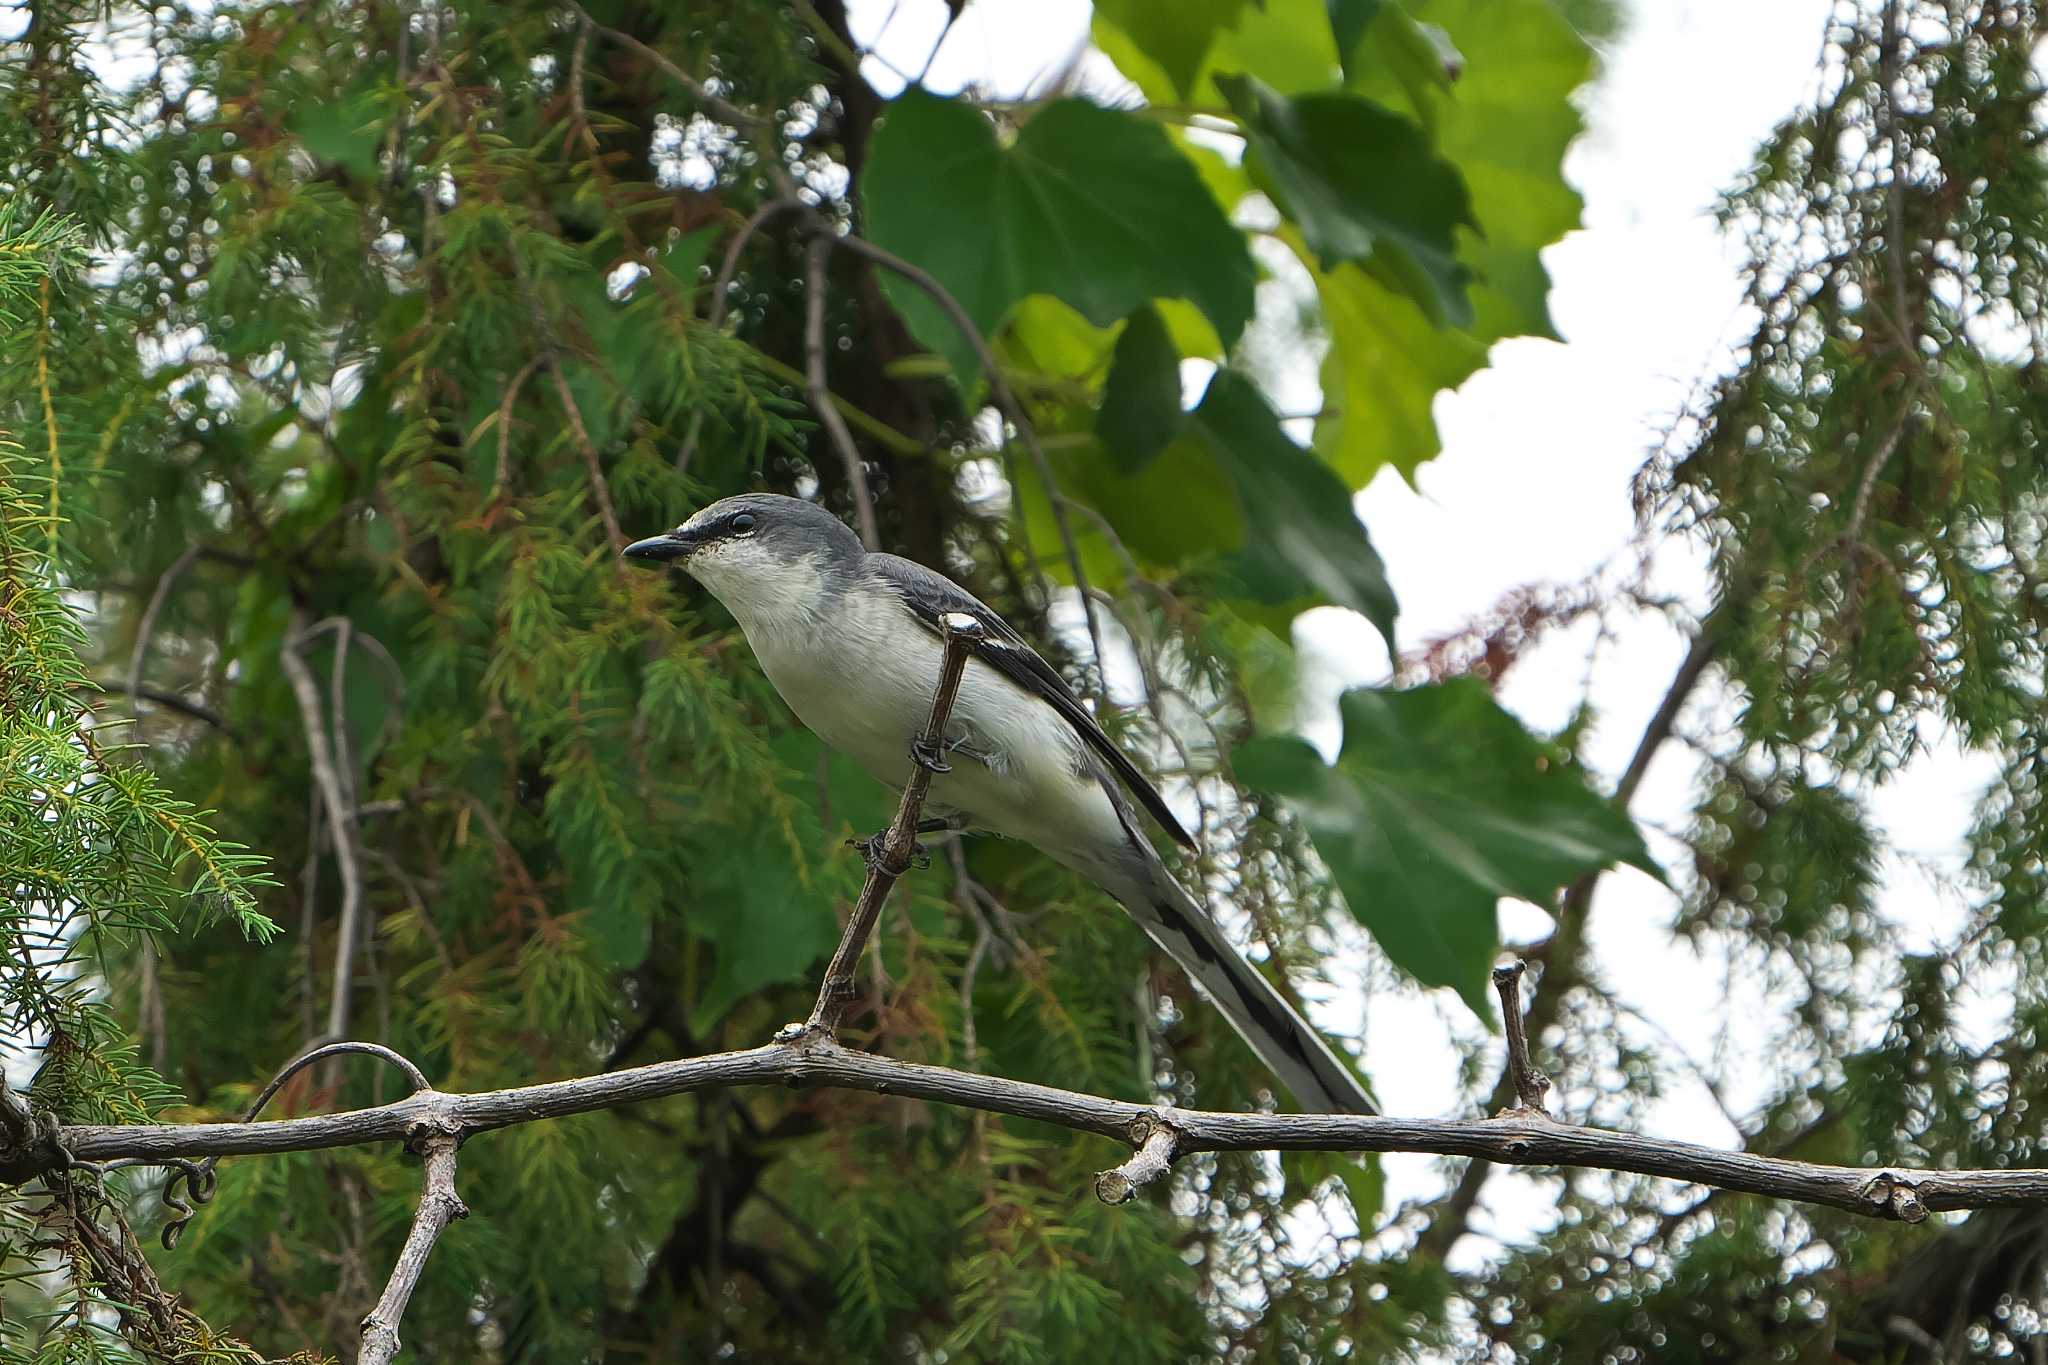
x=770, y=596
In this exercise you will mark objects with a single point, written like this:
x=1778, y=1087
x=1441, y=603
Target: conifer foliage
x=343, y=345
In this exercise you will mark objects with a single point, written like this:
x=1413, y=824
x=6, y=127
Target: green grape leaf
x=1440, y=804
x=1303, y=541
x=767, y=924
x=1385, y=367
x=1363, y=184
x=1349, y=19
x=1506, y=126
x=1141, y=401
x=1094, y=206
x=1176, y=37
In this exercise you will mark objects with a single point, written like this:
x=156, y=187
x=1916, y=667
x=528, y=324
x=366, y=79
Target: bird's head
x=755, y=549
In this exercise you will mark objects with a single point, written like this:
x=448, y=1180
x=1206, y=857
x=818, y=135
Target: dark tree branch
x=198, y=1178
x=1450, y=1221
x=161, y=696
x=144, y=632
x=598, y=487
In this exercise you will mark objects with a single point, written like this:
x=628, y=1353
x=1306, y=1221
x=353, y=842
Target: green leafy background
x=426, y=327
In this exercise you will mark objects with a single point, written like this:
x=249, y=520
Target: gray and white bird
x=852, y=640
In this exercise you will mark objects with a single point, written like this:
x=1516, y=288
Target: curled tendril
x=200, y=1182
x=199, y=1178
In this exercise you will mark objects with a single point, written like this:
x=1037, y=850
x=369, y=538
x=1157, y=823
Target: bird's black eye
x=743, y=522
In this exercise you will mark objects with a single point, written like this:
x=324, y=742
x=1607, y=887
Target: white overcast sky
x=1533, y=486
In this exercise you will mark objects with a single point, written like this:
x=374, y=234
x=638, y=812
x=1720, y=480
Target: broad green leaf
x=767, y=925
x=1303, y=543
x=1440, y=804
x=618, y=932
x=1506, y=125
x=848, y=801
x=1385, y=367
x=1362, y=182
x=1174, y=37
x=1093, y=206
x=1288, y=44
x=1181, y=510
x=1230, y=499
x=1268, y=674
x=343, y=131
x=1349, y=19
x=1141, y=409
x=1285, y=43
x=1047, y=337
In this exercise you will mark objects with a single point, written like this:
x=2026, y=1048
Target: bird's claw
x=871, y=851
x=931, y=757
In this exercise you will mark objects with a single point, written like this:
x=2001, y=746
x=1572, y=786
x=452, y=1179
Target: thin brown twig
x=146, y=630
x=889, y=854
x=760, y=126
x=439, y=1206
x=161, y=696
x=1006, y=399
x=1156, y=1143
x=1530, y=1084
x=721, y=295
x=598, y=487
x=817, y=256
x=1889, y=73
x=728, y=269
x=340, y=827
x=501, y=480
x=1866, y=488
x=1450, y=1220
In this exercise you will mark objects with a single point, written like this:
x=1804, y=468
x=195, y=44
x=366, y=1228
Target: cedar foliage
x=356, y=333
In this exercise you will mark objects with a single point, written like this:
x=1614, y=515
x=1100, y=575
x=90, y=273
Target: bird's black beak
x=661, y=548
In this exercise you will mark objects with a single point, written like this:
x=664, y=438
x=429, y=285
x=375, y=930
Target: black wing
x=931, y=595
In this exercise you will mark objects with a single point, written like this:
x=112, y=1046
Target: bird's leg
x=871, y=846
x=932, y=757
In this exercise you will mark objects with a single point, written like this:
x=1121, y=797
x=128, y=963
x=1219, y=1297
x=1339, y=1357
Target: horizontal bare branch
x=1896, y=1192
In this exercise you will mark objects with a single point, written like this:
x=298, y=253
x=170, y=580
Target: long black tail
x=1283, y=1040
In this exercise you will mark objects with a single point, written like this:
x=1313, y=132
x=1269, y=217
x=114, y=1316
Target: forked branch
x=434, y=1124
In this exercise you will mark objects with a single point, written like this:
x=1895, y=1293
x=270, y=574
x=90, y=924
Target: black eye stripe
x=742, y=522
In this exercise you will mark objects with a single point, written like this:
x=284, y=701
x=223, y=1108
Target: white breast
x=863, y=681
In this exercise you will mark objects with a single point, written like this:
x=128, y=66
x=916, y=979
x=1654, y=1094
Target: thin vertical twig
x=439, y=1206
x=599, y=488
x=1006, y=400
x=139, y=654
x=1530, y=1084
x=501, y=478
x=340, y=826
x=1156, y=1144
x=890, y=854
x=819, y=391
x=49, y=418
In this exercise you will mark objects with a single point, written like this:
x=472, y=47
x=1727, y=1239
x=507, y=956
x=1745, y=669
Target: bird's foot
x=931, y=757
x=872, y=847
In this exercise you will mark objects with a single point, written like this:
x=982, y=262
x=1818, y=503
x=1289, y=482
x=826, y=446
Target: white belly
x=870, y=703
